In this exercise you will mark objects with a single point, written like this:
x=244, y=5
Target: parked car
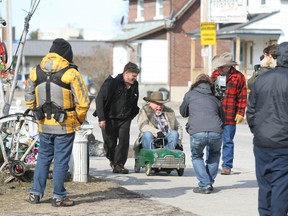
x=21, y=80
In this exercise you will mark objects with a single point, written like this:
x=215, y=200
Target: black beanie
x=62, y=48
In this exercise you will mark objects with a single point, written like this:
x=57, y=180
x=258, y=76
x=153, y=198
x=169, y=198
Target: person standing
x=59, y=99
x=233, y=103
x=267, y=117
x=205, y=127
x=268, y=62
x=155, y=120
x=116, y=105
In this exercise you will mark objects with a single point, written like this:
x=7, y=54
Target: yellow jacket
x=76, y=97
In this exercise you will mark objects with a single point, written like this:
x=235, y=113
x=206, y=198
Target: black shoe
x=112, y=165
x=202, y=190
x=34, y=198
x=119, y=168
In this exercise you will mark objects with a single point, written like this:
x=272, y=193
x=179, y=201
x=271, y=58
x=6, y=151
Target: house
x=163, y=38
x=155, y=38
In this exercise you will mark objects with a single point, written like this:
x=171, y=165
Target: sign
x=208, y=33
x=228, y=11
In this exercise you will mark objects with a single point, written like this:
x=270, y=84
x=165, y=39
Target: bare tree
x=96, y=66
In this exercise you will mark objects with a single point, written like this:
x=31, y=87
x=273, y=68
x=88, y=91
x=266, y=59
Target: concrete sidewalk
x=234, y=195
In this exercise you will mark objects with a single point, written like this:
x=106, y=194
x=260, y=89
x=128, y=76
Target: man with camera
x=59, y=99
x=234, y=102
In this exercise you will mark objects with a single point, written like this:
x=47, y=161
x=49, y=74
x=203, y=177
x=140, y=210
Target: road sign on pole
x=208, y=33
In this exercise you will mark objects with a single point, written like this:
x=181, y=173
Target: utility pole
x=9, y=32
x=206, y=51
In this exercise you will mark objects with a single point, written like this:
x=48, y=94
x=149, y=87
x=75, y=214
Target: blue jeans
x=59, y=148
x=172, y=138
x=228, y=146
x=205, y=174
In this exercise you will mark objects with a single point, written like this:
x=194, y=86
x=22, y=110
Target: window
x=159, y=9
x=140, y=10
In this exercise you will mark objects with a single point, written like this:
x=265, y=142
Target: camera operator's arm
x=241, y=102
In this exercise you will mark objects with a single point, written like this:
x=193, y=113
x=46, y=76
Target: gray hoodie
x=203, y=109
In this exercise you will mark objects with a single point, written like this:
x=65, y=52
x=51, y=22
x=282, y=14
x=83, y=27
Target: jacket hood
x=282, y=55
x=53, y=62
x=203, y=88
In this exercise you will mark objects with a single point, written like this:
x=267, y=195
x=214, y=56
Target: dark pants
x=117, y=130
x=272, y=178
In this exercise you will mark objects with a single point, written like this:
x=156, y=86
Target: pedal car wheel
x=180, y=171
x=137, y=166
x=148, y=169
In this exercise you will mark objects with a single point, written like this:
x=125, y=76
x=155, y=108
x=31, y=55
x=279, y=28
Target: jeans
x=228, y=146
x=172, y=138
x=205, y=174
x=272, y=179
x=59, y=148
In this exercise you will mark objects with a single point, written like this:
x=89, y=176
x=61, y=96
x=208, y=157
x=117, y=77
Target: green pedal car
x=159, y=159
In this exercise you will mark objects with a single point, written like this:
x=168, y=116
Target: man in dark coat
x=267, y=116
x=116, y=107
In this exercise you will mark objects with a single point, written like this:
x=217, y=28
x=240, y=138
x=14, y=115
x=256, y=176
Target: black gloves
x=160, y=135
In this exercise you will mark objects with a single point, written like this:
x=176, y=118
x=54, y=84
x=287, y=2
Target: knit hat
x=62, y=48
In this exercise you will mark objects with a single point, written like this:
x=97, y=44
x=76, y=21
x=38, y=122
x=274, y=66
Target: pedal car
x=160, y=159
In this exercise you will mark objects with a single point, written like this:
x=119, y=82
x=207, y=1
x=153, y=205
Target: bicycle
x=17, y=144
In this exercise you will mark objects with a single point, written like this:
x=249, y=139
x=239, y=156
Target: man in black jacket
x=267, y=116
x=116, y=107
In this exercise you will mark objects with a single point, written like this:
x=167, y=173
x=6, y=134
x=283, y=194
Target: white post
x=79, y=159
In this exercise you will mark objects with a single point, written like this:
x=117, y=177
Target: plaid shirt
x=235, y=100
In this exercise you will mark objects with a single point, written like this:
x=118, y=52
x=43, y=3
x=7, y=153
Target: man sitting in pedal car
x=158, y=122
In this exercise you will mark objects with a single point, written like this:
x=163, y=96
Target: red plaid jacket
x=235, y=100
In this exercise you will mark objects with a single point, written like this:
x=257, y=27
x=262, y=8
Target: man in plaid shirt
x=233, y=103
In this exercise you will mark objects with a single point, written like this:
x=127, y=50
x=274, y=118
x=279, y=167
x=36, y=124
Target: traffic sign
x=208, y=33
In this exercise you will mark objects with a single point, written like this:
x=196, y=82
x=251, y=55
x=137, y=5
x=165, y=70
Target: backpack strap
x=55, y=77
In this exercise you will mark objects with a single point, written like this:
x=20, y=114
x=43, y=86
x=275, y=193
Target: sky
x=102, y=16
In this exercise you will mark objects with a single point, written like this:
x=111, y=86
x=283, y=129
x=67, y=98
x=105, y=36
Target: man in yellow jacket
x=59, y=99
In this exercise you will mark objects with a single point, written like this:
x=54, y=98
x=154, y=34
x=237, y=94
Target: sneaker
x=225, y=171
x=62, y=203
x=34, y=198
x=202, y=190
x=119, y=168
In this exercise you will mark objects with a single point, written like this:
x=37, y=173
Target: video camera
x=220, y=86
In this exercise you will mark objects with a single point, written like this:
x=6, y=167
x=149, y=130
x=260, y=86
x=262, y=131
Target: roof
x=233, y=30
x=42, y=47
x=133, y=31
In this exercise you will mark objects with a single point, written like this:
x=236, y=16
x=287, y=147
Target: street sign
x=208, y=33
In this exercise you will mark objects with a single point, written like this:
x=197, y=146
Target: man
x=233, y=103
x=268, y=62
x=155, y=120
x=267, y=117
x=116, y=107
x=59, y=99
